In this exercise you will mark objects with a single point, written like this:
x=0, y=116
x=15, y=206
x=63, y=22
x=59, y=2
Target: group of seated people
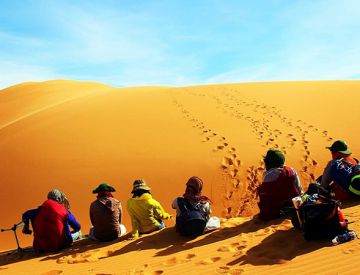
x=341, y=179
x=51, y=222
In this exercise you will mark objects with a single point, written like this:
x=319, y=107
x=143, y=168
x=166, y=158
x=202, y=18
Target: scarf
x=104, y=194
x=58, y=196
x=193, y=191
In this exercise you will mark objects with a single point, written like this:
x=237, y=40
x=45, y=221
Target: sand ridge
x=74, y=135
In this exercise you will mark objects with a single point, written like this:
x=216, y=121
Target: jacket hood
x=110, y=203
x=145, y=196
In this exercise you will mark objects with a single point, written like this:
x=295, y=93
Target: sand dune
x=74, y=135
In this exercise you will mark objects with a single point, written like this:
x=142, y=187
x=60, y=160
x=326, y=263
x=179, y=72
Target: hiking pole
x=20, y=224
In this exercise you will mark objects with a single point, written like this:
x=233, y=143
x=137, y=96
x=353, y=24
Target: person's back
x=146, y=213
x=280, y=184
x=49, y=233
x=337, y=173
x=193, y=210
x=105, y=214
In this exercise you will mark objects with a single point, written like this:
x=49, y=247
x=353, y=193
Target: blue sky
x=179, y=42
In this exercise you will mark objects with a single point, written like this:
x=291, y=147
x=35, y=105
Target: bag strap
x=183, y=206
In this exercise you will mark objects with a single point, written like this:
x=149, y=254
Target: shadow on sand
x=9, y=257
x=280, y=247
x=168, y=241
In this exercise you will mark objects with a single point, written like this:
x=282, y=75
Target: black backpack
x=192, y=220
x=321, y=218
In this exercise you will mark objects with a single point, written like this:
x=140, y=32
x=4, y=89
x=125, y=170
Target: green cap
x=104, y=187
x=274, y=159
x=339, y=146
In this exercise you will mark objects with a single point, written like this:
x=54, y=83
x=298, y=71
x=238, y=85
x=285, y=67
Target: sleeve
x=120, y=213
x=326, y=176
x=207, y=209
x=297, y=182
x=174, y=204
x=74, y=224
x=91, y=215
x=159, y=212
x=134, y=221
x=30, y=215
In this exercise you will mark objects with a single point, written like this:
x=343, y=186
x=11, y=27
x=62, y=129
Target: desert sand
x=74, y=135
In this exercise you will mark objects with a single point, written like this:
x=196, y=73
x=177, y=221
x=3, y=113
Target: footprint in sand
x=236, y=183
x=89, y=256
x=233, y=173
x=229, y=195
x=174, y=260
x=171, y=261
x=226, y=162
x=234, y=247
x=209, y=261
x=52, y=272
x=349, y=251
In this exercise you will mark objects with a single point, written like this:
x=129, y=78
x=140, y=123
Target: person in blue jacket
x=51, y=223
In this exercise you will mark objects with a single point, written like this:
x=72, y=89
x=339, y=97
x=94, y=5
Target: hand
x=26, y=230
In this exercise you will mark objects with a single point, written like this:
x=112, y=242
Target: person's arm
x=174, y=204
x=207, y=208
x=28, y=216
x=74, y=224
x=134, y=222
x=326, y=176
x=120, y=212
x=91, y=214
x=159, y=212
x=297, y=182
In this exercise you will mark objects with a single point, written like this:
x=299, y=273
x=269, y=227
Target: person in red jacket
x=280, y=184
x=51, y=223
x=336, y=175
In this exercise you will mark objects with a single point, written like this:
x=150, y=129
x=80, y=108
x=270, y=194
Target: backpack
x=191, y=221
x=321, y=218
x=347, y=175
x=49, y=227
x=275, y=195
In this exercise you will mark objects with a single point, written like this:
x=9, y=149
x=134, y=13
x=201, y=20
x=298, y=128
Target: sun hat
x=103, y=187
x=339, y=146
x=140, y=184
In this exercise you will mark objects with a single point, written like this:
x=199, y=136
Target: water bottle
x=343, y=238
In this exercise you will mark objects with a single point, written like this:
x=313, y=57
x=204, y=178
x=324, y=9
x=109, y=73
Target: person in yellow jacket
x=145, y=212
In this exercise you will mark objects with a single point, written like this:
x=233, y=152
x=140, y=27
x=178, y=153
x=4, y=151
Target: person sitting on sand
x=51, y=223
x=279, y=185
x=105, y=215
x=193, y=210
x=145, y=212
x=337, y=173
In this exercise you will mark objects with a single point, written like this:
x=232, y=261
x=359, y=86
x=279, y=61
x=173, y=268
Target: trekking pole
x=20, y=224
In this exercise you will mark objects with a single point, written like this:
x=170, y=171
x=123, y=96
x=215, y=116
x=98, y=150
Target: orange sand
x=75, y=135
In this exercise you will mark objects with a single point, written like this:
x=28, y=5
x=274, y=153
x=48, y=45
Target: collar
x=145, y=196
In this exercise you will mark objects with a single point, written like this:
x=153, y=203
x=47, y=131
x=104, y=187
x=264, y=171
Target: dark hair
x=139, y=192
x=274, y=159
